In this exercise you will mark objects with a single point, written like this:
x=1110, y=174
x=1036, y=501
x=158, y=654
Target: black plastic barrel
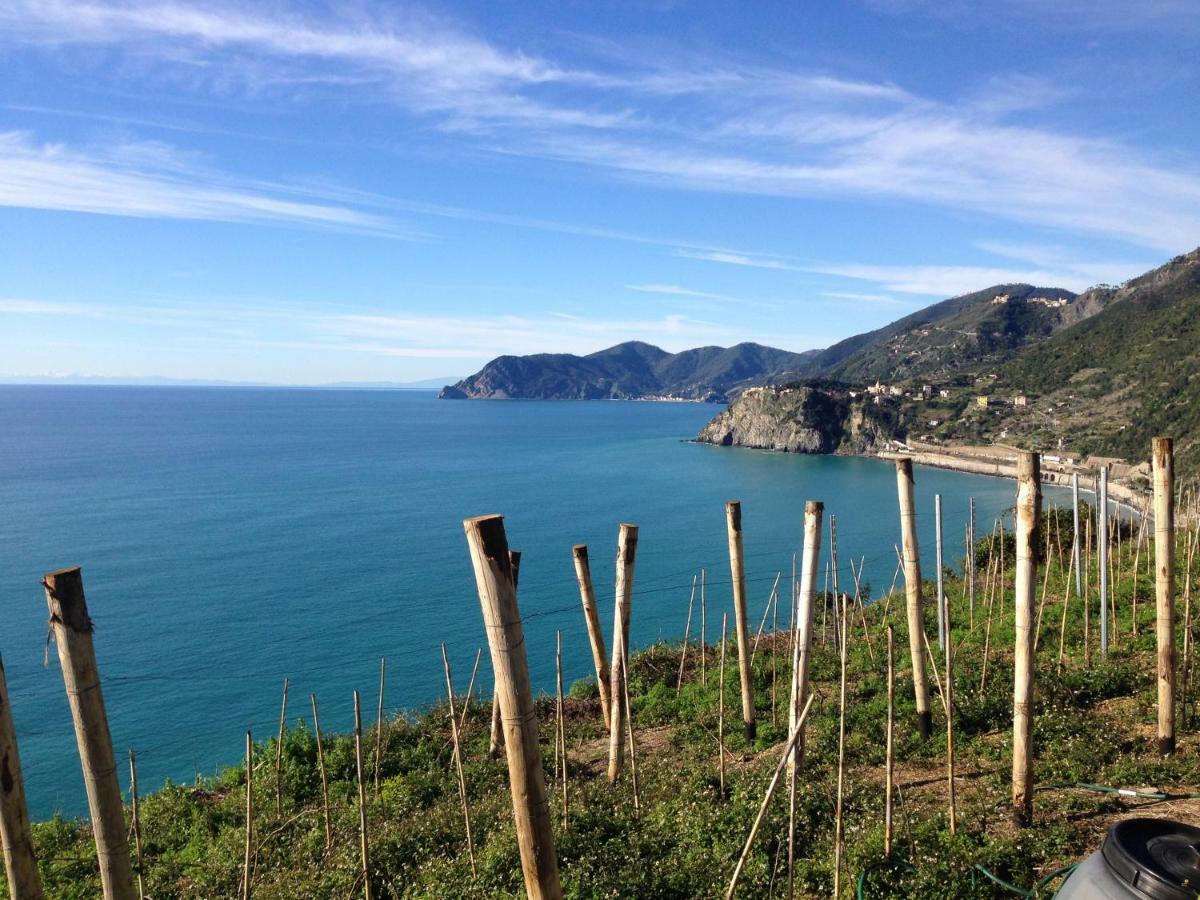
x=1140, y=859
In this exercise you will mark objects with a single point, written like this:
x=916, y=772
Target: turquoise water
x=232, y=537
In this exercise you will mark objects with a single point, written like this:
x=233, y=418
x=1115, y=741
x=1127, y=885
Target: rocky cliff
x=800, y=419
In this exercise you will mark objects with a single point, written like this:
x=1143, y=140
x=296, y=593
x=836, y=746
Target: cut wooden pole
x=766, y=801
x=368, y=891
x=498, y=599
x=20, y=863
x=687, y=630
x=562, y=733
x=912, y=587
x=324, y=775
x=458, y=763
x=802, y=658
x=496, y=741
x=1029, y=514
x=591, y=617
x=379, y=721
x=626, y=557
x=135, y=824
x=721, y=707
x=737, y=568
x=1164, y=587
x=248, y=853
x=72, y=629
x=889, y=771
x=279, y=752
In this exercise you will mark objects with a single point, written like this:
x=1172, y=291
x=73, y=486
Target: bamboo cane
x=368, y=891
x=703, y=630
x=279, y=752
x=135, y=824
x=721, y=707
x=324, y=775
x=766, y=801
x=772, y=598
x=889, y=772
x=637, y=803
x=687, y=630
x=562, y=732
x=837, y=826
x=458, y=763
x=72, y=628
x=466, y=707
x=248, y=857
x=379, y=722
x=20, y=862
x=506, y=640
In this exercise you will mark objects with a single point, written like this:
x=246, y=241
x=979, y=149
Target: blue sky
x=304, y=193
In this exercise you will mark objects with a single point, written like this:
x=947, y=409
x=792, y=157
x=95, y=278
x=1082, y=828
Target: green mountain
x=632, y=370
x=946, y=340
x=1122, y=376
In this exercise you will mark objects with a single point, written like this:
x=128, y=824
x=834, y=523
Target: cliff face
x=798, y=419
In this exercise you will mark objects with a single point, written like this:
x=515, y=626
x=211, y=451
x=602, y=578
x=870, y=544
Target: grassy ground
x=1093, y=722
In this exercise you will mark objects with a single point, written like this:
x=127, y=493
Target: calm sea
x=232, y=537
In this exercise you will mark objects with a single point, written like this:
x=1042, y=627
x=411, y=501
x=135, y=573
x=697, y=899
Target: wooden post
x=324, y=775
x=637, y=803
x=687, y=631
x=248, y=855
x=368, y=892
x=458, y=765
x=1029, y=514
x=941, y=587
x=721, y=706
x=626, y=557
x=73, y=634
x=20, y=864
x=889, y=771
x=591, y=617
x=912, y=587
x=135, y=823
x=1164, y=587
x=379, y=720
x=279, y=752
x=498, y=600
x=733, y=524
x=496, y=742
x=1102, y=542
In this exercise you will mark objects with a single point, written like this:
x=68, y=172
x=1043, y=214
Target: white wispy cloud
x=711, y=124
x=151, y=180
x=886, y=299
